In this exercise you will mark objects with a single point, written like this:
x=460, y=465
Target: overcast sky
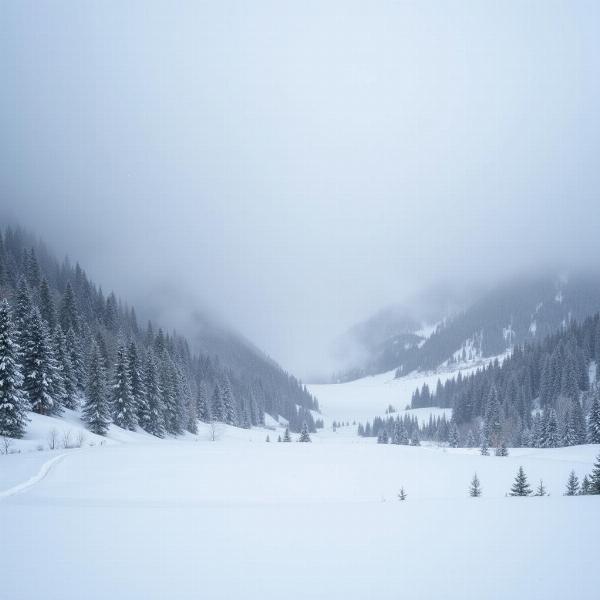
x=297, y=165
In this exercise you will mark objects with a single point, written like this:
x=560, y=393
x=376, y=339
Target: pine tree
x=217, y=409
x=304, y=436
x=484, y=450
x=286, y=435
x=475, y=488
x=63, y=358
x=47, y=306
x=69, y=315
x=551, y=433
x=228, y=402
x=42, y=377
x=594, y=419
x=21, y=313
x=76, y=357
x=585, y=486
x=492, y=416
x=572, y=485
x=540, y=490
x=138, y=387
x=520, y=486
x=96, y=414
x=202, y=404
x=13, y=401
x=122, y=400
x=502, y=450
x=402, y=495
x=454, y=441
x=471, y=442
x=595, y=477
x=155, y=422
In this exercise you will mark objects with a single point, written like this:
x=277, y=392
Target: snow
x=142, y=518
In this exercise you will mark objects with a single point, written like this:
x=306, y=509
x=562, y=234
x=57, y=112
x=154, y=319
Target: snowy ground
x=137, y=518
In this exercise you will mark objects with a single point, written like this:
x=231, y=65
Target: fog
x=294, y=167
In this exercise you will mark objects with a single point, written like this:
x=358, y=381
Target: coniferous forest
x=65, y=344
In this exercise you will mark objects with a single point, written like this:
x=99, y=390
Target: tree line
x=65, y=345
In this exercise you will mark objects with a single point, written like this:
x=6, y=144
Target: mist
x=293, y=168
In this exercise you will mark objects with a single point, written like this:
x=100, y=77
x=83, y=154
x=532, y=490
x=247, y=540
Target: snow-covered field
x=139, y=518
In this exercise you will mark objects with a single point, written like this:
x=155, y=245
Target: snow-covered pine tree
x=415, y=441
x=122, y=400
x=402, y=495
x=304, y=435
x=22, y=310
x=286, y=435
x=217, y=409
x=170, y=394
x=96, y=414
x=73, y=347
x=484, y=450
x=137, y=383
x=540, y=490
x=502, y=450
x=594, y=419
x=155, y=421
x=475, y=487
x=13, y=401
x=493, y=421
x=68, y=314
x=572, y=485
x=43, y=382
x=585, y=486
x=454, y=441
x=551, y=433
x=471, y=442
x=228, y=402
x=47, y=310
x=595, y=478
x=63, y=358
x=520, y=486
x=202, y=403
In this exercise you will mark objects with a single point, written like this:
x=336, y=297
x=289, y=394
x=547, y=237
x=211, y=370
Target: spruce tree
x=551, y=433
x=540, y=490
x=454, y=441
x=572, y=485
x=475, y=487
x=594, y=419
x=595, y=478
x=41, y=372
x=69, y=315
x=520, y=486
x=138, y=387
x=47, y=306
x=304, y=436
x=96, y=414
x=203, y=404
x=13, y=401
x=228, y=402
x=22, y=311
x=155, y=421
x=502, y=450
x=402, y=495
x=585, y=486
x=484, y=450
x=74, y=350
x=286, y=435
x=217, y=409
x=122, y=400
x=63, y=358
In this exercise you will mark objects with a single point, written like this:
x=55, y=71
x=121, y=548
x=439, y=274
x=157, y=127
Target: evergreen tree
x=551, y=433
x=155, y=422
x=520, y=486
x=13, y=401
x=22, y=312
x=502, y=450
x=63, y=359
x=475, y=487
x=402, y=495
x=492, y=416
x=471, y=442
x=123, y=403
x=594, y=478
x=572, y=485
x=585, y=486
x=594, y=419
x=217, y=408
x=42, y=377
x=202, y=404
x=96, y=414
x=454, y=441
x=69, y=316
x=540, y=490
x=484, y=450
x=137, y=383
x=304, y=436
x=47, y=306
x=75, y=352
x=228, y=403
x=286, y=435
x=279, y=438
